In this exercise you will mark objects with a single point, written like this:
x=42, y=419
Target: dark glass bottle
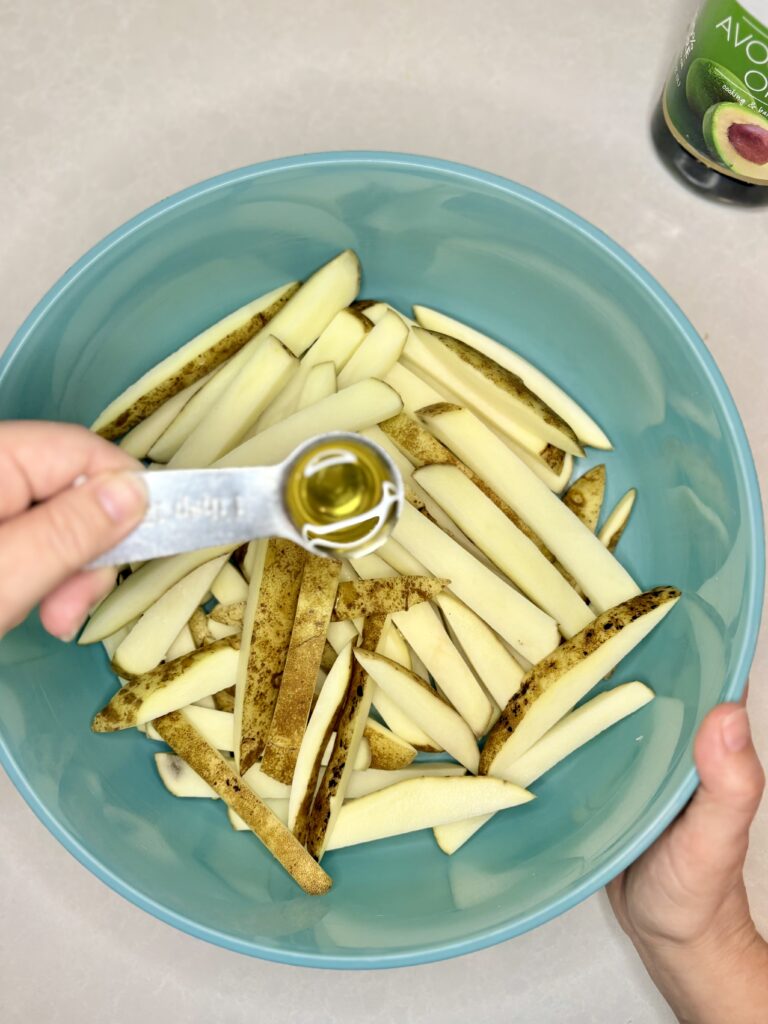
x=710, y=126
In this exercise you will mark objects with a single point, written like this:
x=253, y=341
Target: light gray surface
x=107, y=107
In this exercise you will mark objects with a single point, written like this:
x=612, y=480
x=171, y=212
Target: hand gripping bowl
x=524, y=270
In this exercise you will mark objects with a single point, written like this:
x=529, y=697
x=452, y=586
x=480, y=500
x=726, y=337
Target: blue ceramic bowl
x=525, y=270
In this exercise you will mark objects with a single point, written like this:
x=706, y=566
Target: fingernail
x=736, y=732
x=123, y=497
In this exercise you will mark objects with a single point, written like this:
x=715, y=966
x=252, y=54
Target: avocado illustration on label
x=708, y=82
x=739, y=137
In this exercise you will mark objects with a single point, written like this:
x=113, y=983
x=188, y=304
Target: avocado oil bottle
x=711, y=124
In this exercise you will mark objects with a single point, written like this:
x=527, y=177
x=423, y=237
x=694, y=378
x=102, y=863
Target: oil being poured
x=343, y=497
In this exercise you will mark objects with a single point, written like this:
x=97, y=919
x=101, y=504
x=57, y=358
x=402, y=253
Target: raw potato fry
x=586, y=429
x=420, y=803
x=216, y=727
x=141, y=589
x=507, y=547
x=229, y=586
x=378, y=352
x=585, y=496
x=159, y=627
x=493, y=392
x=340, y=634
x=376, y=310
x=214, y=769
x=302, y=664
x=392, y=645
x=198, y=627
x=529, y=630
x=572, y=732
x=425, y=450
x=142, y=438
x=278, y=807
x=616, y=521
x=388, y=751
x=497, y=669
x=229, y=614
x=359, y=406
x=373, y=780
x=605, y=582
x=328, y=659
x=423, y=630
x=414, y=392
x=424, y=707
x=554, y=686
x=250, y=558
x=218, y=630
x=320, y=383
x=179, y=779
x=188, y=364
x=260, y=378
x=170, y=687
x=336, y=344
x=349, y=734
x=224, y=700
x=322, y=724
x=357, y=599
x=297, y=325
x=265, y=647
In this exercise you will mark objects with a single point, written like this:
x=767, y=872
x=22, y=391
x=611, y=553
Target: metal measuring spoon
x=190, y=509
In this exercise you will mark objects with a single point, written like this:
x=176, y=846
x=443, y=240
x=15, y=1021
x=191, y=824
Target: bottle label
x=716, y=98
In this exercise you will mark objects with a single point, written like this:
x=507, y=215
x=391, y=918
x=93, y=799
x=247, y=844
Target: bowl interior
x=557, y=291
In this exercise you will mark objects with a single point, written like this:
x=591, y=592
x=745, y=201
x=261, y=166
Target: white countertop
x=107, y=107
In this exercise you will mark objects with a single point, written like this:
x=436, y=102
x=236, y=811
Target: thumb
x=713, y=834
x=43, y=547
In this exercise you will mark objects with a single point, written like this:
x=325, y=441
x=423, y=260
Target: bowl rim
x=744, y=463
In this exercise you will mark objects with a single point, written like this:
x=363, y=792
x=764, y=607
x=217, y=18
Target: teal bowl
x=533, y=274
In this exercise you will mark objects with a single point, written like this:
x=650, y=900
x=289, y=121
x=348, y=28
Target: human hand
x=684, y=904
x=50, y=529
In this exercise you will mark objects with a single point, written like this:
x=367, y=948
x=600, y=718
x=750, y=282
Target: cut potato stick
x=138, y=441
x=424, y=707
x=238, y=407
x=220, y=776
x=373, y=780
x=336, y=344
x=378, y=353
x=554, y=686
x=359, y=598
x=388, y=751
x=111, y=643
x=349, y=734
x=322, y=724
x=183, y=644
x=494, y=392
x=320, y=383
x=585, y=496
x=216, y=727
x=141, y=589
x=297, y=325
x=198, y=627
x=392, y=645
x=265, y=639
x=605, y=582
x=616, y=521
x=230, y=587
x=218, y=630
x=425, y=450
x=497, y=669
x=159, y=627
x=182, y=781
x=571, y=733
x=529, y=630
x=229, y=614
x=224, y=700
x=191, y=362
x=420, y=803
x=359, y=406
x=414, y=392
x=507, y=547
x=314, y=606
x=422, y=629
x=278, y=807
x=169, y=687
x=586, y=429
x=376, y=310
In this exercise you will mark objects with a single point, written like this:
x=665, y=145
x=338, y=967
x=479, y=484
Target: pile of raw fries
x=299, y=690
